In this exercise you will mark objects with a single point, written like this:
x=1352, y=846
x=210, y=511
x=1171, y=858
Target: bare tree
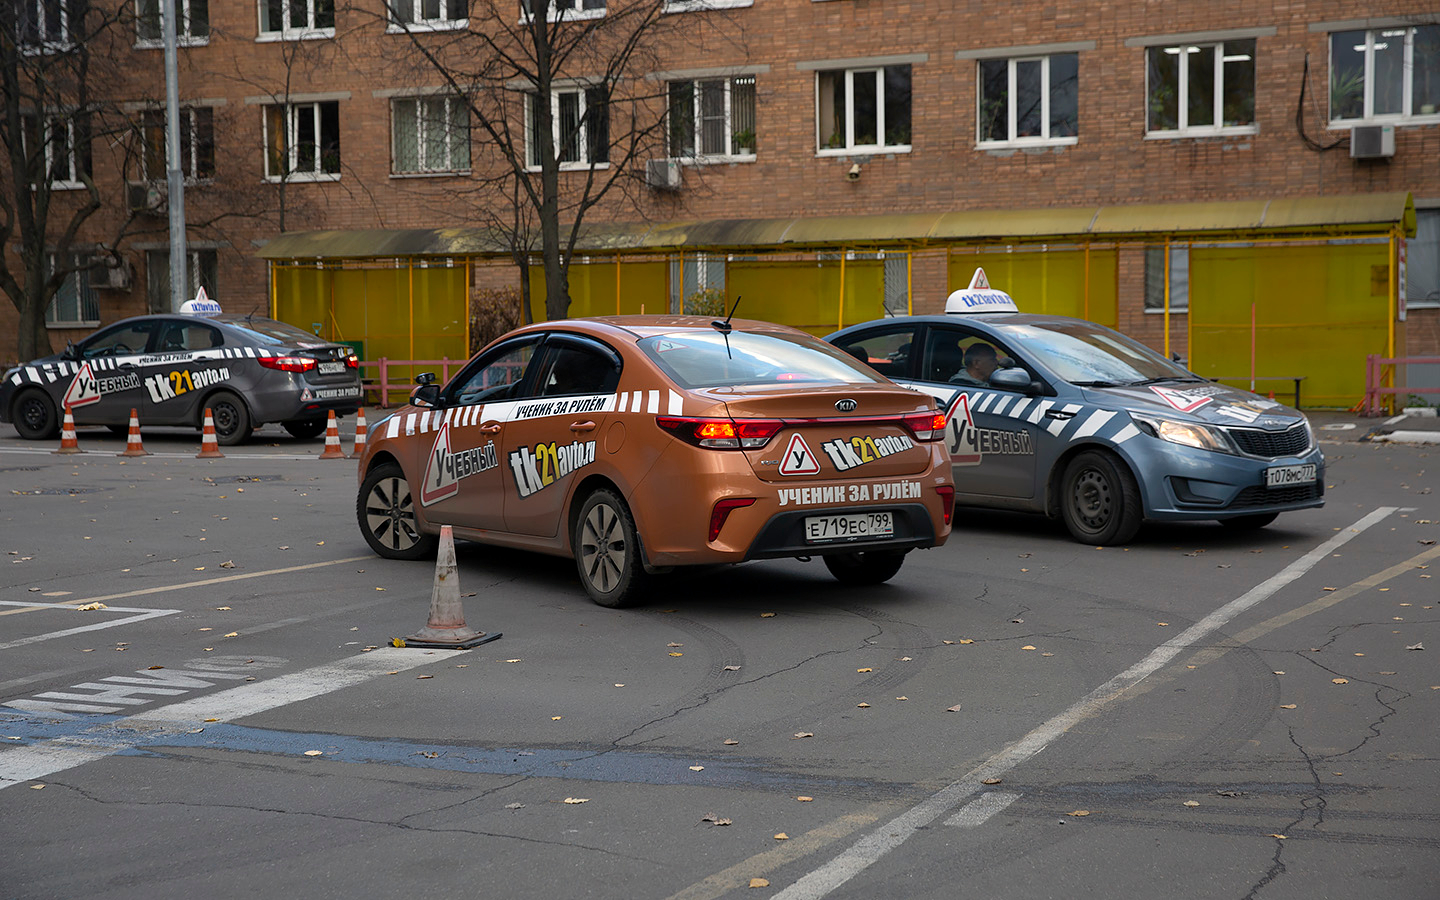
x=556, y=92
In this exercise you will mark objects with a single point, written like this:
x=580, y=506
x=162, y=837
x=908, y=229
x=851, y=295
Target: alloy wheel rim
x=390, y=514
x=602, y=548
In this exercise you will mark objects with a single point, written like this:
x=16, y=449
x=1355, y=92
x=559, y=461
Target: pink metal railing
x=381, y=381
x=1376, y=400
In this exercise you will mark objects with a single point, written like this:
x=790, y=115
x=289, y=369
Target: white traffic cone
x=68, y=442
x=133, y=447
x=332, y=440
x=360, y=434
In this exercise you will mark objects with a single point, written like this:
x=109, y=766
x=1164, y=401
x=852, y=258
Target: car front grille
x=1262, y=496
x=1270, y=444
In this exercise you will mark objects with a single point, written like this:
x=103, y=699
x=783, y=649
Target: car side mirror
x=1015, y=379
x=427, y=395
x=71, y=351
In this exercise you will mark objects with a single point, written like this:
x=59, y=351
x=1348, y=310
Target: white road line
x=978, y=811
x=870, y=848
x=141, y=616
x=21, y=764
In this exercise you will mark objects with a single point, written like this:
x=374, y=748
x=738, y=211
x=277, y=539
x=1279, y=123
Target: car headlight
x=1201, y=437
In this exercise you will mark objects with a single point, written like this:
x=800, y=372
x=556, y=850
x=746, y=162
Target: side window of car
x=119, y=341
x=178, y=337
x=957, y=356
x=891, y=352
x=575, y=369
x=494, y=377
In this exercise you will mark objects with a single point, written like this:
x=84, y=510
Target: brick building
x=832, y=160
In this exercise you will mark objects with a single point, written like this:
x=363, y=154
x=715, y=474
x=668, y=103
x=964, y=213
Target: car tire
x=34, y=416
x=1249, y=523
x=607, y=551
x=1099, y=499
x=385, y=510
x=865, y=567
x=306, y=429
x=232, y=418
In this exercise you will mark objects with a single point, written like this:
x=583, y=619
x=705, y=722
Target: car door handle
x=579, y=427
x=1059, y=414
x=490, y=429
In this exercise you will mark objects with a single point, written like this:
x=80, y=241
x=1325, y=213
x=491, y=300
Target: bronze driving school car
x=639, y=443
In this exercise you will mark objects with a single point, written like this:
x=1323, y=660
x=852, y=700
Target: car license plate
x=332, y=368
x=849, y=527
x=1284, y=476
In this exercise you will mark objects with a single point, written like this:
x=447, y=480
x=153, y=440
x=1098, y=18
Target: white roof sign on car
x=979, y=297
x=202, y=305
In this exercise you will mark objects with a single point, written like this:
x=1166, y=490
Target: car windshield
x=269, y=331
x=699, y=359
x=1088, y=354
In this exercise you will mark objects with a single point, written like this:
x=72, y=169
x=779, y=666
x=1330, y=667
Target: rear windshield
x=269, y=331
x=698, y=359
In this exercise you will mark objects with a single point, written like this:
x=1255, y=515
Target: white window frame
x=422, y=121
x=1182, y=128
x=292, y=146
x=48, y=120
x=684, y=6
x=572, y=12
x=1407, y=87
x=851, y=148
x=85, y=299
x=1010, y=118
x=443, y=22
x=189, y=165
x=183, y=37
x=730, y=154
x=584, y=135
x=48, y=43
x=1427, y=222
x=287, y=32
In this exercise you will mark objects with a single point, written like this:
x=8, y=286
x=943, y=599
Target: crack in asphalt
x=1380, y=687
x=1314, y=801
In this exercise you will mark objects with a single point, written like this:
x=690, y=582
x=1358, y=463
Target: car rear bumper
x=784, y=535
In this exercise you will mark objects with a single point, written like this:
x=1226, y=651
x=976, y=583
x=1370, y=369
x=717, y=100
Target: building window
x=429, y=14
x=302, y=141
x=714, y=118
x=201, y=270
x=431, y=134
x=42, y=24
x=1155, y=279
x=192, y=25
x=697, y=285
x=1201, y=88
x=197, y=144
x=75, y=304
x=580, y=120
x=1422, y=261
x=569, y=9
x=864, y=109
x=1030, y=100
x=66, y=143
x=1387, y=73
x=297, y=18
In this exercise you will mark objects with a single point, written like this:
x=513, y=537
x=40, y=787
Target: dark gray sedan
x=1066, y=417
x=248, y=370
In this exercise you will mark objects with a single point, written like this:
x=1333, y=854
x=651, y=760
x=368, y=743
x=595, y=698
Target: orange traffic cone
x=332, y=440
x=360, y=429
x=209, y=446
x=68, y=442
x=133, y=447
x=446, y=629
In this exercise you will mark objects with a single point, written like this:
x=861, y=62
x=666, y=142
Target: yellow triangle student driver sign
x=798, y=459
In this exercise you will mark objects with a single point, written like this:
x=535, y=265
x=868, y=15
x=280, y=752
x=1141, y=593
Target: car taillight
x=722, y=511
x=926, y=426
x=287, y=363
x=722, y=434
x=947, y=500
x=352, y=361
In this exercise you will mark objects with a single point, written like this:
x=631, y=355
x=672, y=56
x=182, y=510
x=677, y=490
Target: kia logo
x=846, y=405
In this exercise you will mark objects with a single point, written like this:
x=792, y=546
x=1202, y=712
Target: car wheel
x=34, y=416
x=607, y=551
x=385, y=508
x=866, y=567
x=1249, y=523
x=232, y=419
x=306, y=429
x=1100, y=500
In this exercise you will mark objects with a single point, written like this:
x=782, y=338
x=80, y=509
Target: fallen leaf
x=1028, y=647
x=1018, y=621
x=767, y=615
x=424, y=676
x=676, y=653
x=512, y=660
x=556, y=718
x=1078, y=813
x=1192, y=802
x=759, y=883
x=1278, y=837
x=1047, y=653
x=228, y=564
x=205, y=629
x=1420, y=646
x=905, y=659
x=37, y=787
x=212, y=720
x=714, y=819
x=91, y=606
x=902, y=698
x=222, y=607
x=966, y=641
x=429, y=754
x=574, y=800
x=1287, y=706
x=233, y=634
x=862, y=706
x=730, y=742
x=782, y=836
x=947, y=642
x=804, y=799
x=1339, y=681
x=619, y=684
x=697, y=768
x=514, y=806
x=673, y=644
x=955, y=708
x=802, y=734
x=314, y=752
x=1279, y=672
x=990, y=781
x=864, y=670
x=1230, y=793
x=1162, y=624
x=731, y=669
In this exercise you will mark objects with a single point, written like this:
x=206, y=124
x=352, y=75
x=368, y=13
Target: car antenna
x=250, y=316
x=725, y=327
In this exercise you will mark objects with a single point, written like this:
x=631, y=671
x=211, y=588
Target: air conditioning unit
x=663, y=174
x=146, y=197
x=111, y=274
x=1372, y=141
